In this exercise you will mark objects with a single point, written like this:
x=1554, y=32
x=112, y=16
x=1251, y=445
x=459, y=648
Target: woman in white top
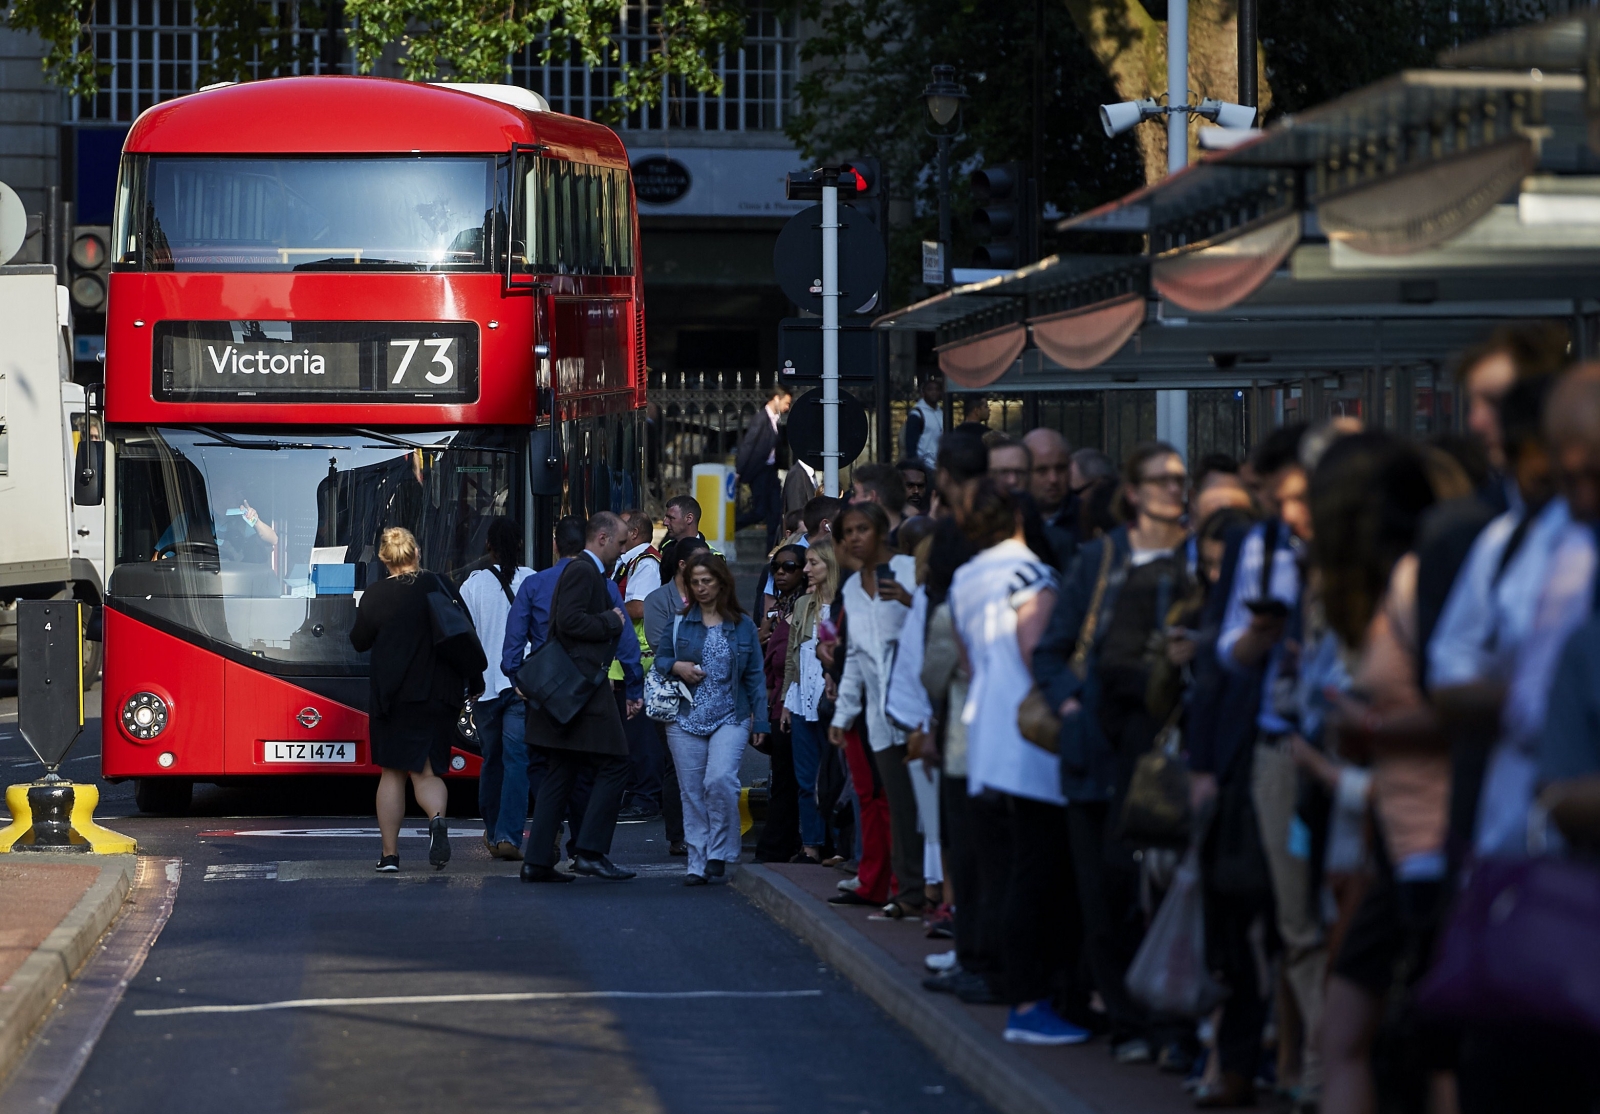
x=1001, y=602
x=488, y=594
x=803, y=685
x=877, y=600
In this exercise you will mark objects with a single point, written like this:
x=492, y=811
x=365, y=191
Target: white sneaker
x=940, y=962
x=850, y=885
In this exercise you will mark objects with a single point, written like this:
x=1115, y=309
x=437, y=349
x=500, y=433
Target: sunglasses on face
x=785, y=566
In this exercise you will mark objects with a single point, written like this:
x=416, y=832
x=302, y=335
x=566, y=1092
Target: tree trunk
x=1132, y=47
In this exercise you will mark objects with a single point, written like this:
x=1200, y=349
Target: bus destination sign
x=316, y=361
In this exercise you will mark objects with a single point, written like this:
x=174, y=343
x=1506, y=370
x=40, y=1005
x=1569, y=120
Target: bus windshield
x=259, y=543
x=305, y=213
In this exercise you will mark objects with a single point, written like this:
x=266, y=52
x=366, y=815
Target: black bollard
x=51, y=803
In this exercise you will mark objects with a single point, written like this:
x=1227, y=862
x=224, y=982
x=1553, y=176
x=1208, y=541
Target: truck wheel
x=163, y=796
x=92, y=654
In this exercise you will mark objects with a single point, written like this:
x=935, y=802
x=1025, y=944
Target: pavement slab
x=888, y=963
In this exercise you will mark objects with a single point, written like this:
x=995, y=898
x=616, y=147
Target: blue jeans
x=511, y=809
x=708, y=780
x=808, y=743
x=490, y=716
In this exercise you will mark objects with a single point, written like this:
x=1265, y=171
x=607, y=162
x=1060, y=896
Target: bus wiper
x=401, y=442
x=272, y=446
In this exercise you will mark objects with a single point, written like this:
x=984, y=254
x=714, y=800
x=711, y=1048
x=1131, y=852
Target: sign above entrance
x=659, y=180
x=711, y=181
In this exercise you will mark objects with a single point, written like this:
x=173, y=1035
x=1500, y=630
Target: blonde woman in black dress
x=416, y=695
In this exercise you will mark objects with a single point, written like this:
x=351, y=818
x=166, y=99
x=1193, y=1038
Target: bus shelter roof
x=1385, y=205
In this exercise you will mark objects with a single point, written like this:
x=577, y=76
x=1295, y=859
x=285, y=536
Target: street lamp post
x=943, y=96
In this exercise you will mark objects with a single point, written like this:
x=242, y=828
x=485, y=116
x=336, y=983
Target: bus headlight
x=144, y=716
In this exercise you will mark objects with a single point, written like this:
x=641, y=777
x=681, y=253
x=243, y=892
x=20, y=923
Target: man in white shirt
x=638, y=573
x=925, y=424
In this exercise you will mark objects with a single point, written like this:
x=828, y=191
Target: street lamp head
x=1226, y=114
x=1118, y=118
x=943, y=95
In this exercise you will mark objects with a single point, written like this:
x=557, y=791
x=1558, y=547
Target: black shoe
x=694, y=880
x=537, y=872
x=715, y=868
x=438, y=842
x=598, y=866
x=637, y=814
x=677, y=847
x=977, y=992
x=389, y=864
x=850, y=897
x=945, y=982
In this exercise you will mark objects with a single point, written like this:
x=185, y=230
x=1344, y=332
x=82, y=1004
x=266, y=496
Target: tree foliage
x=466, y=40
x=861, y=95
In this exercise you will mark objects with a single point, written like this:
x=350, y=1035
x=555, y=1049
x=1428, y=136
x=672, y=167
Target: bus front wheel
x=168, y=796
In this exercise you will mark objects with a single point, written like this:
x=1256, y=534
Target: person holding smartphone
x=877, y=599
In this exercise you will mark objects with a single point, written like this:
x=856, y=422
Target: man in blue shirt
x=526, y=629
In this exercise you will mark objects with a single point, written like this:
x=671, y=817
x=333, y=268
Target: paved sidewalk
x=53, y=911
x=885, y=957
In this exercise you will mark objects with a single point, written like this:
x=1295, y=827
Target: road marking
x=333, y=833
x=228, y=871
x=67, y=1037
x=448, y=999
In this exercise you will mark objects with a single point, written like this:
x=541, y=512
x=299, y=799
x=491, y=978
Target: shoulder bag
x=455, y=639
x=1036, y=719
x=1156, y=811
x=662, y=692
x=552, y=681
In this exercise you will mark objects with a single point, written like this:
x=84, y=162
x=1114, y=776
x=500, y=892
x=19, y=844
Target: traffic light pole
x=830, y=332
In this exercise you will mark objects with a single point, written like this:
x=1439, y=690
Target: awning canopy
x=1398, y=177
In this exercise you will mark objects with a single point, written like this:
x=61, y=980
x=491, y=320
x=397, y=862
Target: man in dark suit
x=757, y=464
x=585, y=622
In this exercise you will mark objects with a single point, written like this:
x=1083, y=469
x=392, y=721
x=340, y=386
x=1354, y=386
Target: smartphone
x=1276, y=608
x=884, y=572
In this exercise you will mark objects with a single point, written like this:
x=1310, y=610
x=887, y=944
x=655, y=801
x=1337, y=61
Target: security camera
x=1227, y=115
x=1118, y=118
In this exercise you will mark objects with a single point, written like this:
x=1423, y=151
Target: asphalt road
x=268, y=919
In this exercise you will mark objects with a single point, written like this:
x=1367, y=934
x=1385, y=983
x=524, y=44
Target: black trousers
x=780, y=835
x=1108, y=900
x=599, y=823
x=905, y=841
x=645, y=749
x=977, y=948
x=766, y=504
x=1230, y=923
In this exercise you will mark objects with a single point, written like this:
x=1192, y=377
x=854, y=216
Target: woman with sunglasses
x=780, y=836
x=803, y=684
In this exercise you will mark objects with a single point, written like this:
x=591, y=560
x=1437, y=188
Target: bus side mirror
x=89, y=474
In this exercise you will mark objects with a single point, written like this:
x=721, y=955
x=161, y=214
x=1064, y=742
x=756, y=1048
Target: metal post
x=1172, y=407
x=1177, y=84
x=946, y=248
x=1247, y=53
x=830, y=330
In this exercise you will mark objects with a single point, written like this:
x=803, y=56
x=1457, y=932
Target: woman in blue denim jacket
x=713, y=648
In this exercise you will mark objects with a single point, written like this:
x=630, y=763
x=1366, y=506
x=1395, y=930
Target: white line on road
x=446, y=999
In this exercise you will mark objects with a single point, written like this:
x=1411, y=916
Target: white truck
x=49, y=548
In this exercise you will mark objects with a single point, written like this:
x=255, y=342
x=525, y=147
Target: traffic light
x=1003, y=220
x=90, y=267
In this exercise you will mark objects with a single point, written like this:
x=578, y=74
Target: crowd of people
x=1028, y=697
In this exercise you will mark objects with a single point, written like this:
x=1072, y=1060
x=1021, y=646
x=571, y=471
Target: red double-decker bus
x=341, y=304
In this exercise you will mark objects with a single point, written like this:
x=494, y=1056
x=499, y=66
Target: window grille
x=156, y=52
x=758, y=78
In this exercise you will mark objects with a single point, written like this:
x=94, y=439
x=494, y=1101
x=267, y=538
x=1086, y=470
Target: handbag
x=455, y=639
x=467, y=737
x=663, y=692
x=1156, y=811
x=1522, y=947
x=552, y=681
x=1036, y=719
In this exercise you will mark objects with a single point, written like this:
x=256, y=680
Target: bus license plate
x=309, y=752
